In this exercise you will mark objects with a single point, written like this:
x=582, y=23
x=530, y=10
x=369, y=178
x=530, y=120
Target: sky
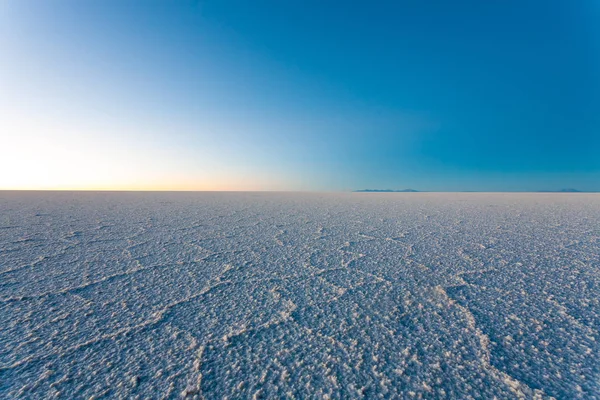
x=300, y=95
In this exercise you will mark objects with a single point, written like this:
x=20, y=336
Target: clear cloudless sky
x=300, y=95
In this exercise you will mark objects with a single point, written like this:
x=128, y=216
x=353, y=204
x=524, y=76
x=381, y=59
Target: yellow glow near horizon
x=43, y=155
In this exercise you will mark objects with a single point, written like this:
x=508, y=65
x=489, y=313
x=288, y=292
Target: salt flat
x=291, y=295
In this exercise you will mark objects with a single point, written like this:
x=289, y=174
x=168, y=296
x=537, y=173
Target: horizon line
x=297, y=191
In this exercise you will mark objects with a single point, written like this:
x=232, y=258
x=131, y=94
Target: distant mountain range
x=569, y=190
x=560, y=191
x=387, y=190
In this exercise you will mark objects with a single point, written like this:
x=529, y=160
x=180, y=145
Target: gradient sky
x=300, y=95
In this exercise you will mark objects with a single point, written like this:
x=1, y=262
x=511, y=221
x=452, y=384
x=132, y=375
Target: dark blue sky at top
x=512, y=85
x=436, y=95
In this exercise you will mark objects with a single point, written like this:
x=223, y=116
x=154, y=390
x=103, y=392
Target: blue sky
x=231, y=95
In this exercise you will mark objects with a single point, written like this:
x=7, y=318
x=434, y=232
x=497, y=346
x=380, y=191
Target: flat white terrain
x=289, y=295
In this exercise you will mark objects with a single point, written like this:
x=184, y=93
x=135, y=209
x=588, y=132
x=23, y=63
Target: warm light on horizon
x=43, y=154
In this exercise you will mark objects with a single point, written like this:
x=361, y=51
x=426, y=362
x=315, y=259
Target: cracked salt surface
x=250, y=295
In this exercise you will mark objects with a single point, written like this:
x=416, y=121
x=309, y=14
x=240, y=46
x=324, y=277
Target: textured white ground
x=357, y=295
